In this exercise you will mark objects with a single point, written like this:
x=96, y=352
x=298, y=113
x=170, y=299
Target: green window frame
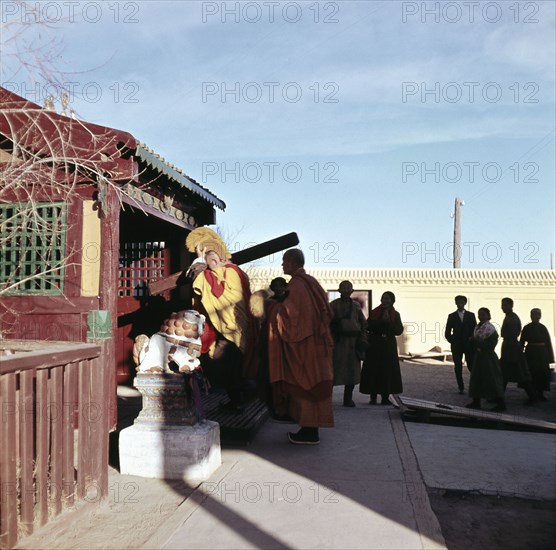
x=32, y=248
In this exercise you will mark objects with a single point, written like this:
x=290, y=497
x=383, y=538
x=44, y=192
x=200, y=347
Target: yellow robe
x=228, y=313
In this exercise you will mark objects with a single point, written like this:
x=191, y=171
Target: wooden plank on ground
x=476, y=414
x=397, y=402
x=440, y=355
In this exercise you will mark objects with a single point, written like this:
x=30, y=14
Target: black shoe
x=349, y=403
x=461, y=391
x=372, y=401
x=302, y=437
x=498, y=408
x=530, y=401
x=473, y=405
x=282, y=419
x=542, y=397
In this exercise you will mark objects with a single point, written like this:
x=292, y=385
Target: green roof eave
x=147, y=155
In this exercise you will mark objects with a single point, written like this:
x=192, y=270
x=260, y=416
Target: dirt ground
x=470, y=521
x=138, y=506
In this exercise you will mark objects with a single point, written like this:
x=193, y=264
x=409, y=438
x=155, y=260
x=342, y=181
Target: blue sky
x=354, y=123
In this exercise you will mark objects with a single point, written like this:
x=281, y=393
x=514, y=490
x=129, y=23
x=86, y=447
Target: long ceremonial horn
x=241, y=257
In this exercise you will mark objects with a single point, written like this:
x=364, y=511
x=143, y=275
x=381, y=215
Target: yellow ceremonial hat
x=208, y=238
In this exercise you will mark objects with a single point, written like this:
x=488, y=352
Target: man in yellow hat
x=222, y=294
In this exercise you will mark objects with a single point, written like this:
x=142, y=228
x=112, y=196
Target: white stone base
x=190, y=453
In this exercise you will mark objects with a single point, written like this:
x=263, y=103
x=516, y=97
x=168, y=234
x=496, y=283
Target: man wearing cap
x=300, y=351
x=349, y=330
x=459, y=332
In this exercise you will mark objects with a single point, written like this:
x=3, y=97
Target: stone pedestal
x=166, y=441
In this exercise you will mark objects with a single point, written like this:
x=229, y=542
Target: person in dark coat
x=459, y=332
x=381, y=368
x=486, y=375
x=539, y=353
x=512, y=359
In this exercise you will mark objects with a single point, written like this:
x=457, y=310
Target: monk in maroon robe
x=300, y=352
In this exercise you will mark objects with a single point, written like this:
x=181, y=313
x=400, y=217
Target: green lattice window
x=32, y=246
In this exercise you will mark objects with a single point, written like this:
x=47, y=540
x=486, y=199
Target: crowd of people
x=524, y=360
x=298, y=345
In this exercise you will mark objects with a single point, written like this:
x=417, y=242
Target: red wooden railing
x=53, y=432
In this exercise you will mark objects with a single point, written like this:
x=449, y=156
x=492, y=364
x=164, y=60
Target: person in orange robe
x=300, y=352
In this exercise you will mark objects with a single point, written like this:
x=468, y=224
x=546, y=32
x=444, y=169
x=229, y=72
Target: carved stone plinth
x=166, y=440
x=166, y=399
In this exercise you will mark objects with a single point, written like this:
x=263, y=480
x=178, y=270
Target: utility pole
x=457, y=233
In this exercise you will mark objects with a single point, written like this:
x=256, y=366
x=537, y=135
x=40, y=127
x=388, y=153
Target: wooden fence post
x=101, y=387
